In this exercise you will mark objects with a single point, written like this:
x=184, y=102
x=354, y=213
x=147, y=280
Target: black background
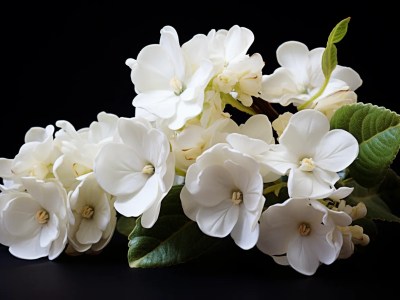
x=67, y=61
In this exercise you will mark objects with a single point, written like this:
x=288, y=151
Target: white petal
x=304, y=131
x=218, y=221
x=302, y=256
x=118, y=169
x=49, y=231
x=153, y=62
x=281, y=161
x=189, y=206
x=237, y=42
x=135, y=205
x=58, y=246
x=29, y=248
x=245, y=234
x=215, y=186
x=310, y=184
x=277, y=228
x=294, y=56
x=5, y=167
x=281, y=260
x=317, y=77
x=246, y=144
x=336, y=150
x=150, y=216
x=50, y=195
x=19, y=217
x=170, y=42
x=258, y=127
x=328, y=249
x=276, y=85
x=39, y=134
x=88, y=232
x=348, y=75
x=341, y=193
x=158, y=148
x=160, y=103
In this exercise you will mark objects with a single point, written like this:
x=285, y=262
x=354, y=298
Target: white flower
x=166, y=84
x=34, y=223
x=255, y=138
x=229, y=46
x=237, y=73
x=300, y=76
x=139, y=171
x=35, y=158
x=223, y=194
x=193, y=140
x=280, y=123
x=329, y=104
x=302, y=233
x=94, y=217
x=311, y=154
x=80, y=147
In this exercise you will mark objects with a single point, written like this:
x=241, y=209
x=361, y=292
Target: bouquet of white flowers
x=291, y=163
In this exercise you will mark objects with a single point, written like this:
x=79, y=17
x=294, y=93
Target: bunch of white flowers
x=275, y=182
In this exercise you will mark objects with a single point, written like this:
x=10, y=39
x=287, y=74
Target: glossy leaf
x=381, y=201
x=377, y=131
x=173, y=239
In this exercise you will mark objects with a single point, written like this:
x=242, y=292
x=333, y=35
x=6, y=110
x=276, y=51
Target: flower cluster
x=185, y=167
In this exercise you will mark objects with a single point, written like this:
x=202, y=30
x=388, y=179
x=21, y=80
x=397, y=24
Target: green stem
x=319, y=93
x=228, y=99
x=275, y=188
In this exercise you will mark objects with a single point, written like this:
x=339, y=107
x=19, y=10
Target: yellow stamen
x=176, y=85
x=307, y=164
x=304, y=229
x=42, y=216
x=148, y=169
x=237, y=197
x=87, y=212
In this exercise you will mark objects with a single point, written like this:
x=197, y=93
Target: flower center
x=42, y=216
x=87, y=212
x=307, y=164
x=80, y=169
x=237, y=197
x=148, y=169
x=194, y=152
x=304, y=229
x=176, y=85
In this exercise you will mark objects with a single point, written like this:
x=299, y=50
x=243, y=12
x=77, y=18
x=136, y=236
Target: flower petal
x=305, y=130
x=302, y=256
x=336, y=150
x=88, y=232
x=294, y=56
x=133, y=206
x=29, y=248
x=19, y=217
x=119, y=176
x=153, y=69
x=49, y=232
x=215, y=186
x=218, y=221
x=276, y=85
x=244, y=233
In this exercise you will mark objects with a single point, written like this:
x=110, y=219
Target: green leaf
x=378, y=198
x=329, y=60
x=339, y=31
x=125, y=225
x=173, y=239
x=377, y=131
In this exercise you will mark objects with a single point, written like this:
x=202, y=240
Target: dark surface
x=68, y=62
